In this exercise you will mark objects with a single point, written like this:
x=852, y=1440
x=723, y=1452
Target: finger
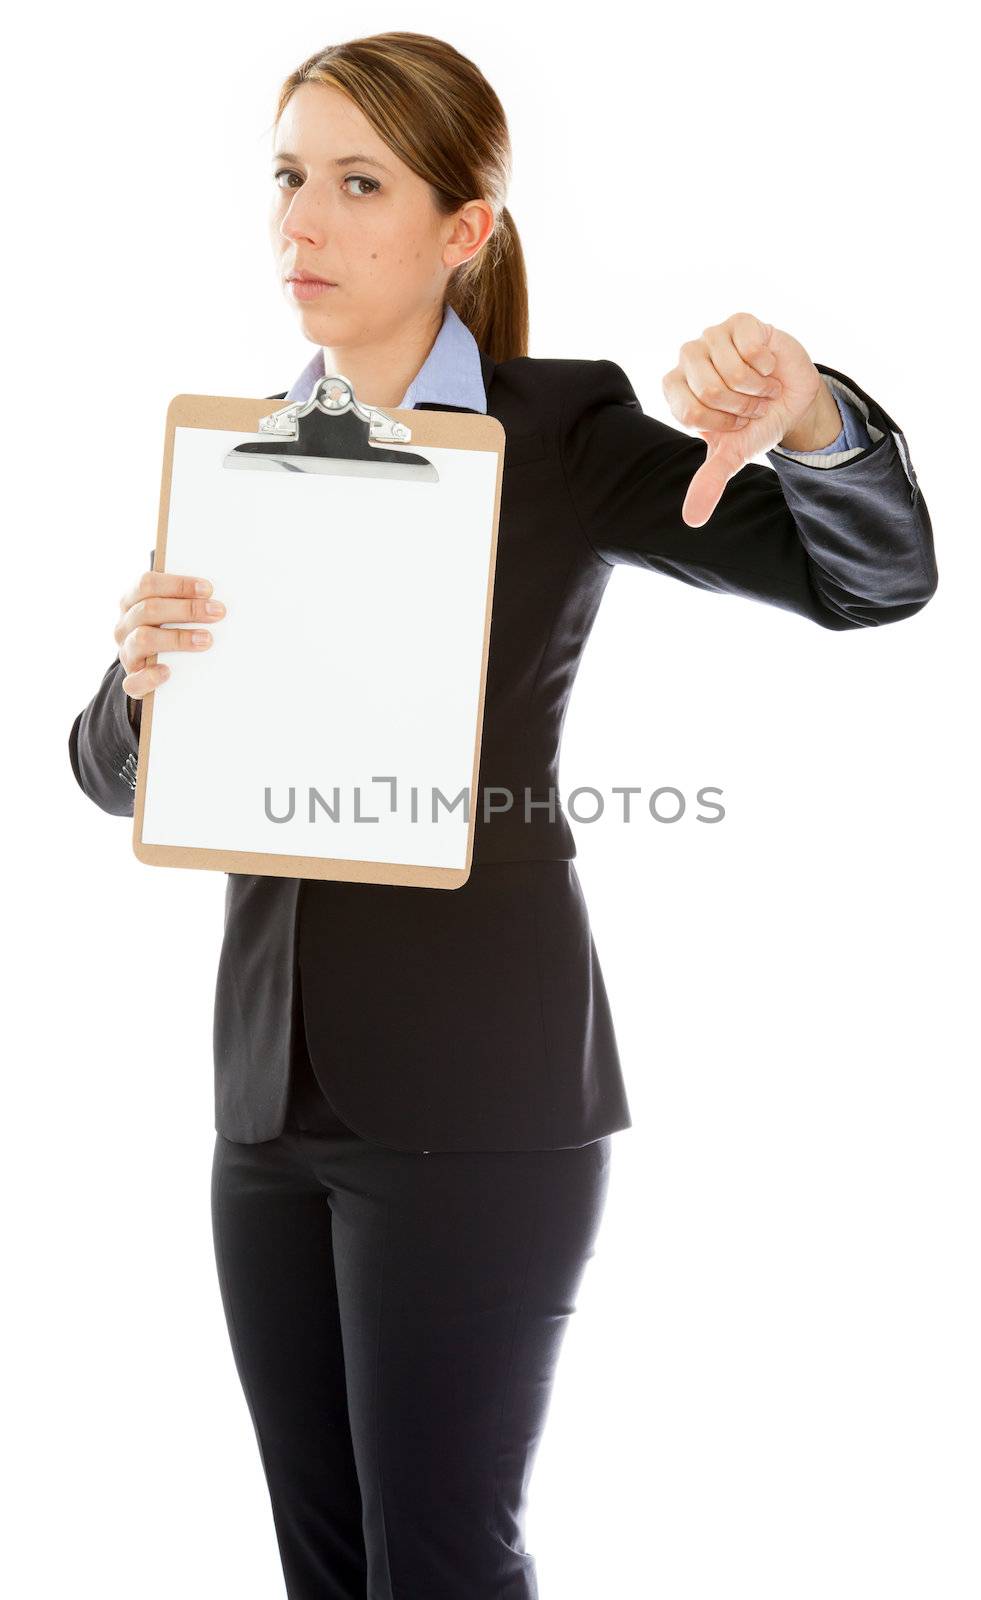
x=138, y=684
x=752, y=340
x=145, y=641
x=693, y=412
x=710, y=388
x=168, y=583
x=157, y=608
x=735, y=362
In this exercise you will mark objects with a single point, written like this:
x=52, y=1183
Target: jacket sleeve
x=847, y=546
x=103, y=745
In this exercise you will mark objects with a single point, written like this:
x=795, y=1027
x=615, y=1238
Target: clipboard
x=333, y=727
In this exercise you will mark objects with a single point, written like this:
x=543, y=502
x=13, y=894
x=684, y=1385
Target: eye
x=287, y=172
x=353, y=179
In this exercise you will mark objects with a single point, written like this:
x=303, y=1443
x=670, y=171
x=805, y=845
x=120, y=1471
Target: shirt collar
x=450, y=375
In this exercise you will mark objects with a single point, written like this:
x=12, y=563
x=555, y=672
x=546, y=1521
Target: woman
x=416, y=1089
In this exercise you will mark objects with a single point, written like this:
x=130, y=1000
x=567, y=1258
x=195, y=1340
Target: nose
x=300, y=220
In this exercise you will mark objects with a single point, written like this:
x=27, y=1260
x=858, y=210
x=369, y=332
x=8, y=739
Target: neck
x=382, y=371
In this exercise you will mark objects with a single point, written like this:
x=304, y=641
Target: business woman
x=416, y=1089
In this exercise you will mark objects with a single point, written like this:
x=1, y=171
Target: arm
x=848, y=545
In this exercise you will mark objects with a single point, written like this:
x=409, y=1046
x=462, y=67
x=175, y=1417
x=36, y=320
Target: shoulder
x=535, y=378
x=551, y=395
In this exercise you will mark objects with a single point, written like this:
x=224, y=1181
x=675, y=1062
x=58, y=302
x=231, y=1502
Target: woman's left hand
x=744, y=386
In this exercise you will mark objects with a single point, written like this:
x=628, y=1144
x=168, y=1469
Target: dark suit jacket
x=477, y=1018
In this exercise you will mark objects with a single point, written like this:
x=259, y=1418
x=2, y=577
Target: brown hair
x=439, y=114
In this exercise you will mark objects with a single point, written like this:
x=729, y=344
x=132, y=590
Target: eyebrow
x=341, y=161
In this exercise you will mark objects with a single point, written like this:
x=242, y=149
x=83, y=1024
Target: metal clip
x=334, y=395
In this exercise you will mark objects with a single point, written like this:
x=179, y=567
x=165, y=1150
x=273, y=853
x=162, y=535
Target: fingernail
x=202, y=586
x=214, y=608
x=201, y=638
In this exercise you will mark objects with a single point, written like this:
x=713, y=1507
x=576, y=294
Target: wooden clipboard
x=333, y=727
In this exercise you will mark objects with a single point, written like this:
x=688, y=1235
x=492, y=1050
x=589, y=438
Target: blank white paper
x=349, y=657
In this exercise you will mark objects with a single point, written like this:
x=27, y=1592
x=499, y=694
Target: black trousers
x=396, y=1319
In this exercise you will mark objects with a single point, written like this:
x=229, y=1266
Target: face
x=347, y=210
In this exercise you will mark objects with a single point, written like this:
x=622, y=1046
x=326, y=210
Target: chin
x=321, y=328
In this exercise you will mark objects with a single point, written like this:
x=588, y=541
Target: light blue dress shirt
x=450, y=375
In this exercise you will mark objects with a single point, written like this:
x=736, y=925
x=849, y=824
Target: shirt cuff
x=853, y=438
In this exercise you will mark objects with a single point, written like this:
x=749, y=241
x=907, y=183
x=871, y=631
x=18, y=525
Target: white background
x=770, y=1387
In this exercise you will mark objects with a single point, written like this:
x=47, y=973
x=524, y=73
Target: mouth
x=303, y=286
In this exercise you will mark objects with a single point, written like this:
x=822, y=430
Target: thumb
x=705, y=488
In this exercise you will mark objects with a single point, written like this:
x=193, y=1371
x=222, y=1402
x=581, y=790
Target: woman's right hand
x=156, y=598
